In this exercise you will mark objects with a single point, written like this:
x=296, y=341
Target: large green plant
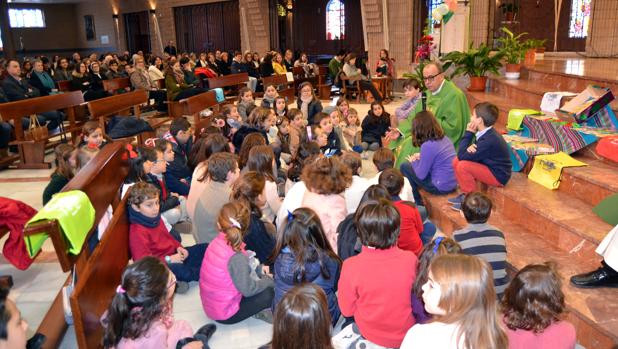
x=535, y=43
x=474, y=62
x=512, y=47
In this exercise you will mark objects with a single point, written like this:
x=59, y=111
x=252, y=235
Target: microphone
x=424, y=100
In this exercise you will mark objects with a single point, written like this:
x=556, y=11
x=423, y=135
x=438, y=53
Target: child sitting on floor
x=375, y=285
x=333, y=143
x=437, y=247
x=411, y=224
x=245, y=103
x=13, y=325
x=384, y=158
x=343, y=106
x=179, y=173
x=270, y=93
x=374, y=127
x=298, y=132
x=140, y=314
x=280, y=107
x=352, y=131
x=486, y=160
x=148, y=236
x=65, y=170
x=532, y=306
x=92, y=135
x=303, y=254
x=232, y=285
x=483, y=240
x=261, y=160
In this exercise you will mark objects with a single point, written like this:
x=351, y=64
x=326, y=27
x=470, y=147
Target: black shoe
x=602, y=277
x=207, y=330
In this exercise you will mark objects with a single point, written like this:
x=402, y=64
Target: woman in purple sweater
x=431, y=169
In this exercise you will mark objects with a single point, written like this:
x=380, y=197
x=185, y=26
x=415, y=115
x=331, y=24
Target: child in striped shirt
x=483, y=240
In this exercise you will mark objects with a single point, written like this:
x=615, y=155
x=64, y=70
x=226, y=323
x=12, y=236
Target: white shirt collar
x=439, y=88
x=480, y=134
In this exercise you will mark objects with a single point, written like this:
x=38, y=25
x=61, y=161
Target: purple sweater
x=437, y=160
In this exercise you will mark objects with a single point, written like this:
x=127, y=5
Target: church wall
x=603, y=32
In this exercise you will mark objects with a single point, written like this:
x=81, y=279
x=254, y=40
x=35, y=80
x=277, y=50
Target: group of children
x=305, y=238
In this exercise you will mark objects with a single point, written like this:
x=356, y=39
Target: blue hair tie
x=290, y=216
x=437, y=243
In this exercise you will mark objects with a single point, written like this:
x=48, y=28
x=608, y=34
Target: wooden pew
x=195, y=104
x=115, y=85
x=323, y=86
x=233, y=81
x=101, y=180
x=284, y=87
x=32, y=153
x=102, y=108
x=64, y=85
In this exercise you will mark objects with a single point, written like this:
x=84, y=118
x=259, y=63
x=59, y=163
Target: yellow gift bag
x=548, y=168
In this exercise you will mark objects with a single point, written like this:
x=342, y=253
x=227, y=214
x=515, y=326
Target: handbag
x=35, y=131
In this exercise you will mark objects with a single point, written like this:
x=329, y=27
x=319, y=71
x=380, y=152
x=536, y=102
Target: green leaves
x=512, y=48
x=474, y=62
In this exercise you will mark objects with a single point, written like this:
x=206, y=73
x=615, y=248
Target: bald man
x=447, y=103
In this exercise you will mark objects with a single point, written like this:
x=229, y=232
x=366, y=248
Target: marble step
x=594, y=313
x=558, y=217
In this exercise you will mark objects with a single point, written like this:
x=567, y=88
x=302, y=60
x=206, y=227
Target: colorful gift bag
x=548, y=168
x=74, y=213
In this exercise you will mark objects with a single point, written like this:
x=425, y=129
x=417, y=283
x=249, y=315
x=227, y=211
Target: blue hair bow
x=437, y=243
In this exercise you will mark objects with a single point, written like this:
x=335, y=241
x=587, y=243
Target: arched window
x=335, y=20
x=580, y=18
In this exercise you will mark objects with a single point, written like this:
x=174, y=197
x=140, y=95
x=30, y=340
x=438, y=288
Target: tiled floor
x=36, y=287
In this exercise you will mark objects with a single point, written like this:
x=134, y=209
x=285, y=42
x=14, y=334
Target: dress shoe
x=602, y=277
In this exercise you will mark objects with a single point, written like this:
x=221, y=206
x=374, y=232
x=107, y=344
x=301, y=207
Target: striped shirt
x=487, y=242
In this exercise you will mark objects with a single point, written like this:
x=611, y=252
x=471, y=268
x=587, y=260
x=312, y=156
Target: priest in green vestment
x=446, y=101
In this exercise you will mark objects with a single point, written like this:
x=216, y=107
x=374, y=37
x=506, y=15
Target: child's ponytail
x=140, y=300
x=234, y=220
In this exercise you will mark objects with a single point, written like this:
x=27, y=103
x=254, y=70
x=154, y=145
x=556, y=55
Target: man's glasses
x=431, y=77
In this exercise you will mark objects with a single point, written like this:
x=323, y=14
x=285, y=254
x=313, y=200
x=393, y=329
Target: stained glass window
x=431, y=5
x=335, y=20
x=580, y=18
x=26, y=18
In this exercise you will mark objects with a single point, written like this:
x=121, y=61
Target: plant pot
x=530, y=58
x=540, y=52
x=477, y=83
x=512, y=71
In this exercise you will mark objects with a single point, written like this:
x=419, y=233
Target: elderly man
x=447, y=103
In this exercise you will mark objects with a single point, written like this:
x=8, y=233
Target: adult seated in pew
x=148, y=236
x=82, y=82
x=175, y=84
x=251, y=66
x=288, y=60
x=238, y=66
x=140, y=79
x=607, y=274
x=178, y=175
x=96, y=77
x=40, y=79
x=224, y=64
x=311, y=69
x=334, y=67
x=212, y=63
x=266, y=68
x=187, y=69
x=62, y=71
x=17, y=88
x=155, y=69
x=114, y=72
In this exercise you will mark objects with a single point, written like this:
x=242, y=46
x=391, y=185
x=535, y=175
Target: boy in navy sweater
x=487, y=159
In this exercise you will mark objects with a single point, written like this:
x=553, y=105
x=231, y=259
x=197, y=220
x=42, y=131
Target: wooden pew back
x=231, y=80
x=118, y=104
x=96, y=284
x=64, y=85
x=112, y=86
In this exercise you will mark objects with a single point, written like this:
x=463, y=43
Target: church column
x=254, y=25
x=7, y=37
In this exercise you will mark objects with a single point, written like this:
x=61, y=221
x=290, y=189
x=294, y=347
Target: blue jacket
x=491, y=151
x=259, y=240
x=178, y=169
x=287, y=276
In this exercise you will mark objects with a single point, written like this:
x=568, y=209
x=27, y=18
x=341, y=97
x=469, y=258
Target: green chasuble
x=450, y=107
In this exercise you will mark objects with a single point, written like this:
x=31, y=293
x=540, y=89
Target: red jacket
x=411, y=228
x=375, y=287
x=156, y=242
x=14, y=215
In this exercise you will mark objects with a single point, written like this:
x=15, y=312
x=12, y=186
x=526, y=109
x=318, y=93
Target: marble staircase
x=544, y=225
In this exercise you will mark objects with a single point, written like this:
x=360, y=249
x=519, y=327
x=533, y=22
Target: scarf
x=46, y=80
x=179, y=75
x=138, y=218
x=304, y=107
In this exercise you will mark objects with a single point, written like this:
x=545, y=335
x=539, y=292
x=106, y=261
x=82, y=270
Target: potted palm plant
x=514, y=50
x=476, y=63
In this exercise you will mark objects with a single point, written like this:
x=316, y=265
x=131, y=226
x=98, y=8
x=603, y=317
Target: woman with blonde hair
x=460, y=295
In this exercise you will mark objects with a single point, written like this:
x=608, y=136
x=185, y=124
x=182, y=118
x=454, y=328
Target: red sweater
x=375, y=287
x=156, y=242
x=410, y=229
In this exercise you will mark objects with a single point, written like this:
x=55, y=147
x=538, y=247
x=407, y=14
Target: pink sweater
x=159, y=336
x=331, y=209
x=559, y=335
